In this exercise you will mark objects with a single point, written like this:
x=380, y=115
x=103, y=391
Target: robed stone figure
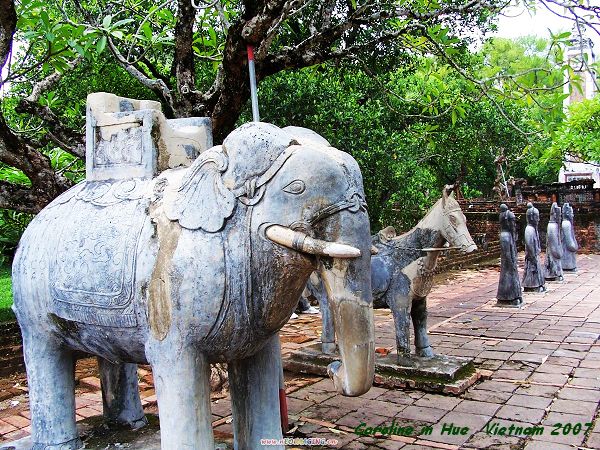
x=569, y=242
x=509, y=286
x=533, y=277
x=554, y=251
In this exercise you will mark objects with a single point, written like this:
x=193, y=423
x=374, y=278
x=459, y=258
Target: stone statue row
x=561, y=251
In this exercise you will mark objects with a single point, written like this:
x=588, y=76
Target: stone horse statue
x=402, y=269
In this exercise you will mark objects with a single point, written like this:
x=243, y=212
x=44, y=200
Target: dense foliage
x=6, y=313
x=394, y=83
x=419, y=126
x=578, y=137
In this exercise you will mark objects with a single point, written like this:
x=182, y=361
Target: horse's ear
x=203, y=201
x=387, y=234
x=446, y=192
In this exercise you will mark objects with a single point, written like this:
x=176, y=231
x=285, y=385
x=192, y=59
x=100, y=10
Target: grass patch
x=6, y=300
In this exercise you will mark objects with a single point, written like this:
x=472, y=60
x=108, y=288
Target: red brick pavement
x=544, y=358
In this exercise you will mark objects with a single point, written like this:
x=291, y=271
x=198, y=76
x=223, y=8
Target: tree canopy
x=413, y=57
x=578, y=137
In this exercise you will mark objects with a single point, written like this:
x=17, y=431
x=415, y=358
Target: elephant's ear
x=203, y=201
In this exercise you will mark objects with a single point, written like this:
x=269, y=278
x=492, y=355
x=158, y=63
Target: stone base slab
x=442, y=374
x=96, y=435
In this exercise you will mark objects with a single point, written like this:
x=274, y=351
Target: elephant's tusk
x=303, y=243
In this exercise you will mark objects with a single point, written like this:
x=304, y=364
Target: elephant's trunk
x=353, y=320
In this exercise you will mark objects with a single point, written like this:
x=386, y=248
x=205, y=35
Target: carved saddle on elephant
x=128, y=143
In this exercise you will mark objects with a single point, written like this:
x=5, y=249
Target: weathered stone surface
x=402, y=270
x=96, y=436
x=533, y=275
x=569, y=241
x=128, y=138
x=554, y=251
x=446, y=374
x=509, y=286
x=164, y=256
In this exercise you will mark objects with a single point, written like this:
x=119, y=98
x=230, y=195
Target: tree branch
x=8, y=25
x=184, y=56
x=69, y=140
x=158, y=86
x=19, y=198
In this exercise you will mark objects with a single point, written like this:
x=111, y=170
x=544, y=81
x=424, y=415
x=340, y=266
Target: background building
x=580, y=56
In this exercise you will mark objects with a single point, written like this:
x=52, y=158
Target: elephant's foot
x=73, y=444
x=425, y=352
x=403, y=353
x=535, y=289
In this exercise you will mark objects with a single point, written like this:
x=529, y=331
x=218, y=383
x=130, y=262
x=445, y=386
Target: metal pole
x=253, y=94
x=283, y=409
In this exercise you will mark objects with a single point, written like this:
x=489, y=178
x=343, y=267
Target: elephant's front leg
x=254, y=386
x=120, y=394
x=401, y=312
x=181, y=379
x=418, y=313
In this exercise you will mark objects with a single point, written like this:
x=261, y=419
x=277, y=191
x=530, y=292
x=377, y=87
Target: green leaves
x=101, y=45
x=578, y=135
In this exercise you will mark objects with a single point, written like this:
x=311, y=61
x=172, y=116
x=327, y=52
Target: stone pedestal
x=96, y=436
x=516, y=303
x=444, y=374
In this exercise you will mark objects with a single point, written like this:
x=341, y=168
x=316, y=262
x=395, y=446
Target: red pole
x=253, y=89
x=283, y=409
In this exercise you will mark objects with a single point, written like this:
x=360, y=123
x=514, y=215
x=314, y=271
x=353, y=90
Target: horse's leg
x=327, y=330
x=51, y=381
x=418, y=313
x=120, y=394
x=400, y=311
x=327, y=333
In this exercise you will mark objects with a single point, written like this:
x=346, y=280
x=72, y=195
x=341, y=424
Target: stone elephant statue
x=402, y=269
x=189, y=266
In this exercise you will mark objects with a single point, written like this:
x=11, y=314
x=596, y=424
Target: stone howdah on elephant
x=188, y=266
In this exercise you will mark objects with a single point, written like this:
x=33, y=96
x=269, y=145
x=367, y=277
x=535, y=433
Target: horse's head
x=454, y=223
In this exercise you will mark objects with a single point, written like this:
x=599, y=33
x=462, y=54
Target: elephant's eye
x=295, y=187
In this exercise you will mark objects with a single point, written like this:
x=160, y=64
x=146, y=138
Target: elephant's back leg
x=120, y=394
x=51, y=381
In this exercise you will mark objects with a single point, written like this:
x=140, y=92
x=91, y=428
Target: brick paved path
x=544, y=361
